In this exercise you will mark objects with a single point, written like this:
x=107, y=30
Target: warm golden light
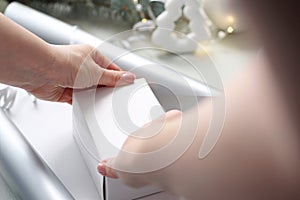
x=230, y=29
x=230, y=19
x=144, y=20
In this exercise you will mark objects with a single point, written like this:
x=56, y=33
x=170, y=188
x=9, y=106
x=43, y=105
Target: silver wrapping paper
x=23, y=169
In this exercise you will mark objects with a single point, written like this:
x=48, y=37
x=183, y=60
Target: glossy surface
x=23, y=169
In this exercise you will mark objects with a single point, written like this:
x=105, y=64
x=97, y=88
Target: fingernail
x=126, y=78
x=101, y=169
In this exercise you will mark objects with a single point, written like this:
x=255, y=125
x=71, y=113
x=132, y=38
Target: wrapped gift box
x=102, y=120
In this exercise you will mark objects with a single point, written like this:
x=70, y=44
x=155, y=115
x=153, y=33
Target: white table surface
x=48, y=126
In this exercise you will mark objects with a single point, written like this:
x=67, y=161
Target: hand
x=50, y=72
x=168, y=125
x=75, y=67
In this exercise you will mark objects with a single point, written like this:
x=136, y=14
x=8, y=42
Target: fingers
x=103, y=62
x=66, y=95
x=94, y=70
x=116, y=78
x=173, y=114
x=107, y=171
x=130, y=179
x=112, y=74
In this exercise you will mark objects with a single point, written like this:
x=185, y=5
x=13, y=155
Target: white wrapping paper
x=102, y=120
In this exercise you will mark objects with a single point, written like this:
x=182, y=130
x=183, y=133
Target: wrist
x=52, y=62
x=36, y=69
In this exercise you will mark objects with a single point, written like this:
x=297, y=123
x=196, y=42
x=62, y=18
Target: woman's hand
x=165, y=129
x=255, y=157
x=50, y=72
x=75, y=67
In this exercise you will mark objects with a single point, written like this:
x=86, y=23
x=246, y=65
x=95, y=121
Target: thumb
x=105, y=169
x=116, y=78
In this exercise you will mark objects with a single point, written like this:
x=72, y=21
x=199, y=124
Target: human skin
x=50, y=72
x=257, y=154
x=256, y=157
